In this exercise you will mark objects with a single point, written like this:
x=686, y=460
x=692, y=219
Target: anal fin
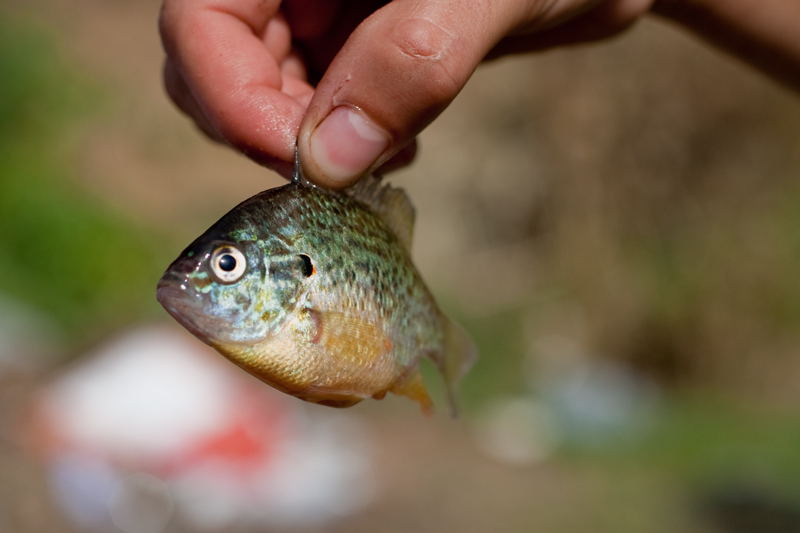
x=414, y=387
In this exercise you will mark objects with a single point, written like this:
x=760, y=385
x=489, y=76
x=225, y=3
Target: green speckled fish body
x=315, y=293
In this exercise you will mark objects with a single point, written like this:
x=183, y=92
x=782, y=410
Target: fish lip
x=181, y=301
x=173, y=289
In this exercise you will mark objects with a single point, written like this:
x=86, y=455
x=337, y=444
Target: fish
x=314, y=292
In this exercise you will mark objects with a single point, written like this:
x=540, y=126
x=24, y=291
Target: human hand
x=351, y=82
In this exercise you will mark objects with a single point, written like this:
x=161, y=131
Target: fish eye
x=228, y=264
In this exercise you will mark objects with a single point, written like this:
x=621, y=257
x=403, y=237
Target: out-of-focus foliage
x=61, y=249
x=700, y=440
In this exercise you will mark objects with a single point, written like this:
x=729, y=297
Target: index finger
x=220, y=47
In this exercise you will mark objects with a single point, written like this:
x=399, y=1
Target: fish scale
x=315, y=293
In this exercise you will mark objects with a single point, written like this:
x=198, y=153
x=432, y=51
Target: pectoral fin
x=357, y=357
x=350, y=339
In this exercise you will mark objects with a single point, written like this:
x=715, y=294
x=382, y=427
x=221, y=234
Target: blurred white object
x=155, y=421
x=594, y=400
x=601, y=402
x=141, y=503
x=519, y=431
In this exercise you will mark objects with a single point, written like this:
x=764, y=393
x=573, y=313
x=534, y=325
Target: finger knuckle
x=429, y=49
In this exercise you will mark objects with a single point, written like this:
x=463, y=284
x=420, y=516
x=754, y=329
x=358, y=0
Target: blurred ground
x=635, y=202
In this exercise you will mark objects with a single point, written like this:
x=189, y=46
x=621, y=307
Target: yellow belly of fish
x=324, y=358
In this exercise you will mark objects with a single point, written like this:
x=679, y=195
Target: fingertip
x=395, y=74
x=344, y=146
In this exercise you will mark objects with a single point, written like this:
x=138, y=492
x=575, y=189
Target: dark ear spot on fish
x=308, y=266
x=228, y=264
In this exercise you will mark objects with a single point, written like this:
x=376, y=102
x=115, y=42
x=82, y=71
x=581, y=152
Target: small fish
x=314, y=292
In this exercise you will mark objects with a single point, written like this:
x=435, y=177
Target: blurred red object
x=154, y=424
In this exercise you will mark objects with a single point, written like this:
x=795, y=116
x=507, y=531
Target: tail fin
x=458, y=357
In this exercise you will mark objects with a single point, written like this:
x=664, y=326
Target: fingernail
x=346, y=144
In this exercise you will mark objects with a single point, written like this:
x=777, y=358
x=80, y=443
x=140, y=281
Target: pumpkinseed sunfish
x=314, y=292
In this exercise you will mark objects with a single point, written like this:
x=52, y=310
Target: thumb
x=396, y=73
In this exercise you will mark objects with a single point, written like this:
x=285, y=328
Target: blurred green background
x=633, y=205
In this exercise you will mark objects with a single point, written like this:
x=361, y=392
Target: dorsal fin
x=391, y=204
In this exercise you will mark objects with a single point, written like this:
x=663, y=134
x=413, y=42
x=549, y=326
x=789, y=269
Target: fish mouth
x=182, y=302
